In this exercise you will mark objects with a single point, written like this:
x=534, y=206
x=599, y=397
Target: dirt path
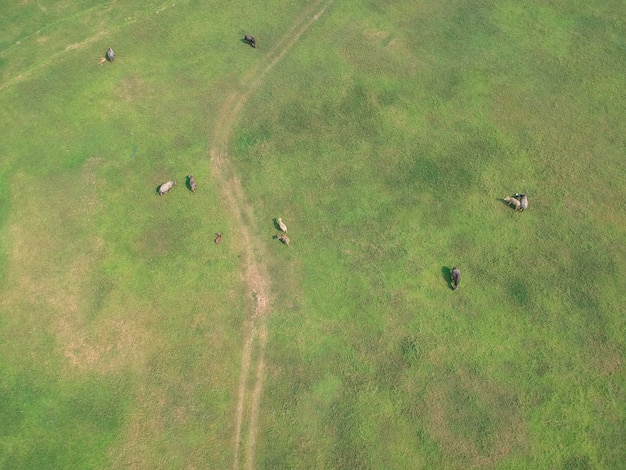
x=256, y=278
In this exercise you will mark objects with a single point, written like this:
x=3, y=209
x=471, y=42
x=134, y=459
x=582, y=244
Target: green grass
x=385, y=138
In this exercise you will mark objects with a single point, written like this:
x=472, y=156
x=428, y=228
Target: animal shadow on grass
x=156, y=190
x=446, y=272
x=188, y=183
x=276, y=226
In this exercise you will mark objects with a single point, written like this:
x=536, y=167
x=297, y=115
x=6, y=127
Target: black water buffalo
x=456, y=277
x=523, y=199
x=250, y=40
x=110, y=55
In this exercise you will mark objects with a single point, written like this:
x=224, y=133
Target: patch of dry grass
x=476, y=421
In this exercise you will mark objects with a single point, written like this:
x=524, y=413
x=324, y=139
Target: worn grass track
x=256, y=277
x=386, y=136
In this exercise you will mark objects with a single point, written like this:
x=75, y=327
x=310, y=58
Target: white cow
x=166, y=187
x=511, y=201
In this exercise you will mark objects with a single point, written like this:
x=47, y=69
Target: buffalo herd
x=519, y=202
x=523, y=200
x=280, y=225
x=109, y=55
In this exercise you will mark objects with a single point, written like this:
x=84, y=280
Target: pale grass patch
x=376, y=35
x=107, y=346
x=130, y=87
x=110, y=343
x=89, y=181
x=146, y=423
x=86, y=42
x=508, y=111
x=394, y=43
x=54, y=296
x=607, y=359
x=445, y=418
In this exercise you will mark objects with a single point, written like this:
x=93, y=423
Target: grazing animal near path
x=511, y=201
x=284, y=239
x=250, y=40
x=456, y=277
x=166, y=187
x=218, y=238
x=523, y=199
x=192, y=183
x=282, y=226
x=110, y=55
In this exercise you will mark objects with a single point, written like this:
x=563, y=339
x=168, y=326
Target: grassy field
x=385, y=136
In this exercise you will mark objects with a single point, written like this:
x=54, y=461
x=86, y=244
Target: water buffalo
x=110, y=55
x=250, y=40
x=284, y=239
x=166, y=187
x=511, y=201
x=523, y=199
x=456, y=277
x=218, y=238
x=192, y=183
x=282, y=226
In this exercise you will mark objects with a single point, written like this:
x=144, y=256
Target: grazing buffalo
x=511, y=201
x=523, y=199
x=282, y=226
x=192, y=183
x=284, y=239
x=250, y=40
x=218, y=238
x=110, y=55
x=166, y=187
x=456, y=277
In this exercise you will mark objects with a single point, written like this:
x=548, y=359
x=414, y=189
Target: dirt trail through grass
x=255, y=329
